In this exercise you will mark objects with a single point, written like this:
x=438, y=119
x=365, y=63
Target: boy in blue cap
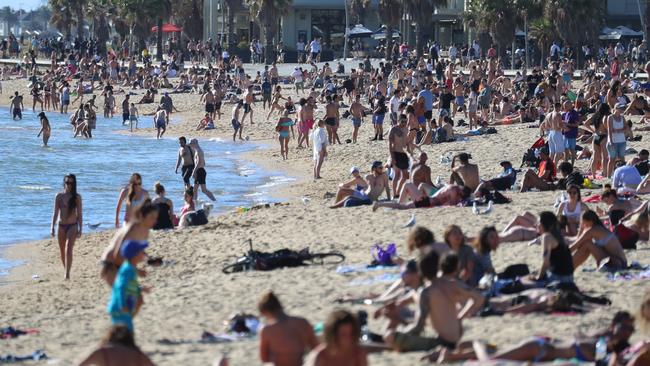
x=126, y=297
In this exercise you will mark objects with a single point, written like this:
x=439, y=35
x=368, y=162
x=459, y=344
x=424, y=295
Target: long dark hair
x=482, y=244
x=135, y=177
x=592, y=216
x=119, y=335
x=549, y=222
x=72, y=202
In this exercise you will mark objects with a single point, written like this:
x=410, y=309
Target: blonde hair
x=642, y=321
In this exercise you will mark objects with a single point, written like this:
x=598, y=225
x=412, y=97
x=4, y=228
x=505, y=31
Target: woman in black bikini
x=68, y=213
x=599, y=158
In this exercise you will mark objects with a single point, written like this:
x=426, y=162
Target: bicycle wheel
x=235, y=267
x=326, y=258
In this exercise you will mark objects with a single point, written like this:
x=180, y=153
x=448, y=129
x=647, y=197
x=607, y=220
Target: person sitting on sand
x=455, y=239
x=557, y=264
x=420, y=171
x=638, y=354
x=570, y=210
x=145, y=217
x=206, y=123
x=597, y=241
x=583, y=349
x=355, y=193
x=422, y=241
x=165, y=208
x=395, y=303
x=126, y=298
x=444, y=133
x=465, y=174
x=545, y=176
x=452, y=303
x=505, y=180
x=284, y=339
x=341, y=346
x=117, y=348
x=617, y=208
x=449, y=195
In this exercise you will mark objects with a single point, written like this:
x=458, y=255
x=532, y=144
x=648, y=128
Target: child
x=283, y=127
x=133, y=116
x=236, y=125
x=126, y=297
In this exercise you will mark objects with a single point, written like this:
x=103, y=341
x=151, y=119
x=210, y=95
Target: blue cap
x=131, y=248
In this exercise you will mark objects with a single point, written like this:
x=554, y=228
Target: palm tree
x=358, y=10
x=190, y=15
x=233, y=7
x=390, y=13
x=576, y=21
x=61, y=17
x=269, y=13
x=499, y=18
x=77, y=7
x=543, y=31
x=421, y=11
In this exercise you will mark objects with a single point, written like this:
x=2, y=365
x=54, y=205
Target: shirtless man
x=331, y=118
x=421, y=172
x=249, y=101
x=199, y=174
x=356, y=110
x=186, y=158
x=209, y=100
x=236, y=125
x=217, y=93
x=466, y=174
x=554, y=124
x=307, y=118
x=398, y=147
x=376, y=183
x=459, y=95
x=285, y=339
x=449, y=195
x=17, y=106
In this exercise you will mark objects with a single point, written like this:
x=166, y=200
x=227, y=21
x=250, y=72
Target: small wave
x=35, y=188
x=215, y=139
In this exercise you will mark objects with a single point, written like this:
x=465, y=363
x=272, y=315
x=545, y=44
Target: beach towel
x=384, y=278
x=36, y=356
x=363, y=268
x=11, y=332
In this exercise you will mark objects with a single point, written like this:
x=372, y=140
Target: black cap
x=410, y=267
x=377, y=164
x=463, y=156
x=643, y=152
x=504, y=163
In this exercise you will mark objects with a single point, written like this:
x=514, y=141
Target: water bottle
x=601, y=352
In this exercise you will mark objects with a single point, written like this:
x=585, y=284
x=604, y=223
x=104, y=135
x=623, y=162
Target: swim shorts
x=356, y=122
x=235, y=124
x=378, y=119
x=17, y=113
x=200, y=176
x=125, y=117
x=266, y=97
x=186, y=173
x=209, y=108
x=460, y=101
x=570, y=143
x=555, y=142
x=247, y=107
x=330, y=121
x=406, y=342
x=401, y=160
x=160, y=123
x=428, y=115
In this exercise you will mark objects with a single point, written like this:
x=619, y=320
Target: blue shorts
x=460, y=101
x=235, y=124
x=378, y=119
x=616, y=150
x=570, y=143
x=356, y=122
x=422, y=120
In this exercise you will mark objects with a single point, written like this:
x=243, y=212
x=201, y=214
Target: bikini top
x=602, y=242
x=575, y=213
x=138, y=201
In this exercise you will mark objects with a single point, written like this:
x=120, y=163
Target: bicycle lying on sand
x=283, y=258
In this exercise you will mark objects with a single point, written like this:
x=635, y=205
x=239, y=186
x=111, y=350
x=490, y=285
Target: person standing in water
x=17, y=106
x=68, y=213
x=134, y=195
x=199, y=173
x=185, y=161
x=160, y=122
x=46, y=130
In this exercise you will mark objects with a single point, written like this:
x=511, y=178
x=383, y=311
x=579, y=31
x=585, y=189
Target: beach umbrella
x=167, y=28
x=359, y=31
x=381, y=33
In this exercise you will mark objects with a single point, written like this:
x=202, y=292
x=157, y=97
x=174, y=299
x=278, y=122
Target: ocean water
x=33, y=174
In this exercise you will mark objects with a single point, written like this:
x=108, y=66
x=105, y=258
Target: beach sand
x=192, y=295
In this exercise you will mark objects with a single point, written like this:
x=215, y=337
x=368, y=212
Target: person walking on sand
x=46, y=130
x=284, y=339
x=68, y=213
x=249, y=100
x=399, y=149
x=160, y=122
x=319, y=140
x=17, y=106
x=185, y=161
x=199, y=172
x=283, y=128
x=356, y=110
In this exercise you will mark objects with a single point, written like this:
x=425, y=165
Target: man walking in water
x=186, y=158
x=199, y=173
x=17, y=106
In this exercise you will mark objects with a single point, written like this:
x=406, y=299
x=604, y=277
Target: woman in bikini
x=68, y=213
x=275, y=102
x=413, y=124
x=596, y=240
x=46, y=129
x=595, y=124
x=134, y=195
x=341, y=346
x=283, y=128
x=569, y=211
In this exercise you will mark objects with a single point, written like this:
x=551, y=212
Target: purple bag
x=384, y=257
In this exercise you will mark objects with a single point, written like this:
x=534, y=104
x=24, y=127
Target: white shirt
x=297, y=75
x=300, y=46
x=319, y=140
x=314, y=46
x=626, y=176
x=555, y=50
x=394, y=104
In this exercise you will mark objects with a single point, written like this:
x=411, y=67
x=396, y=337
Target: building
x=625, y=12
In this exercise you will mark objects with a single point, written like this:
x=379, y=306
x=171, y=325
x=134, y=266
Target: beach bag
x=356, y=202
x=626, y=236
x=383, y=256
x=197, y=218
x=279, y=259
x=513, y=271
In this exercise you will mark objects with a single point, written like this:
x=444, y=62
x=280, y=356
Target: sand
x=192, y=295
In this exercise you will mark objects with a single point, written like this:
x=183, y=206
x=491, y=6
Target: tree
x=9, y=16
x=499, y=18
x=233, y=7
x=190, y=16
x=421, y=11
x=269, y=13
x=61, y=17
x=576, y=21
x=390, y=13
x=358, y=10
x=543, y=31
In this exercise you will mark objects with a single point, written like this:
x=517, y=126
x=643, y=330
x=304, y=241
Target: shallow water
x=33, y=174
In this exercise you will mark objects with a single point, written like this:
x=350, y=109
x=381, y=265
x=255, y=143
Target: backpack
x=439, y=136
